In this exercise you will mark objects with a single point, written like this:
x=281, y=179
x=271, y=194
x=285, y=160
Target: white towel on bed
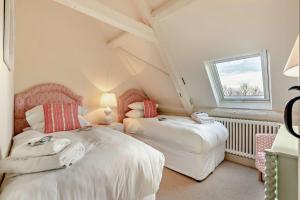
x=201, y=118
x=200, y=114
x=54, y=146
x=70, y=155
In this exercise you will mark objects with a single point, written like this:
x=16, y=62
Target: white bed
x=190, y=148
x=117, y=167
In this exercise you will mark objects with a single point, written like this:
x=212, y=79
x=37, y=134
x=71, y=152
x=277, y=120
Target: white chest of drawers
x=281, y=181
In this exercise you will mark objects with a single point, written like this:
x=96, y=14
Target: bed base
x=196, y=166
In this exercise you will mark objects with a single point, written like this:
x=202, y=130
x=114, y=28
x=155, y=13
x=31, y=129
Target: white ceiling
x=109, y=32
x=126, y=7
x=146, y=67
x=154, y=4
x=205, y=30
x=216, y=29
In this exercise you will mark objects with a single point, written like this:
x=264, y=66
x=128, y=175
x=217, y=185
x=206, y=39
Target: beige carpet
x=228, y=182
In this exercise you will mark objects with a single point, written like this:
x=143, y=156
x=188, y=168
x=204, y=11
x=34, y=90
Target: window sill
x=262, y=105
x=264, y=115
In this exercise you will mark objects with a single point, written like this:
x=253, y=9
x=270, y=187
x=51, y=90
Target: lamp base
x=108, y=117
x=107, y=110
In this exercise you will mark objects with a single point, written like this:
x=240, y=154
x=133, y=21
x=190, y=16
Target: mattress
x=117, y=167
x=196, y=166
x=178, y=132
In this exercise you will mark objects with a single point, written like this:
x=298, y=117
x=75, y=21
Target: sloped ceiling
x=205, y=30
x=57, y=44
x=126, y=7
x=199, y=31
x=142, y=60
x=155, y=4
x=144, y=63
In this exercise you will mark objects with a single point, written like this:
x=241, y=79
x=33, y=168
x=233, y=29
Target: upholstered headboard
x=38, y=95
x=128, y=97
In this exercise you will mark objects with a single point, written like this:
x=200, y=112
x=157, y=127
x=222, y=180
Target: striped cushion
x=61, y=117
x=150, y=109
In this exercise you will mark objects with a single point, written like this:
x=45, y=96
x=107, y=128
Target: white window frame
x=234, y=102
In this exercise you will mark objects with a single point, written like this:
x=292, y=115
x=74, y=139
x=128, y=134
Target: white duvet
x=117, y=167
x=178, y=132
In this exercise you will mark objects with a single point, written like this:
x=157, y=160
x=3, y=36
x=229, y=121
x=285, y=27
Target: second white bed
x=190, y=148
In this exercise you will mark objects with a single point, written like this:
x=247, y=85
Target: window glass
x=241, y=78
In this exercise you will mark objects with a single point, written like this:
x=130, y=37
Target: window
x=241, y=81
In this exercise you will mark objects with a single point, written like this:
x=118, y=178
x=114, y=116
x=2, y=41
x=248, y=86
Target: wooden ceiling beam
x=145, y=11
x=168, y=8
x=146, y=17
x=98, y=10
x=165, y=56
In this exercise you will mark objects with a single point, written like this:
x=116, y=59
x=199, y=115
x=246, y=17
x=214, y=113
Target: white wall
x=6, y=99
x=6, y=107
x=145, y=65
x=206, y=30
x=57, y=44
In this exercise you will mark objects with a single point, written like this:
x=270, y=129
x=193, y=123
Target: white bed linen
x=118, y=167
x=178, y=132
x=196, y=166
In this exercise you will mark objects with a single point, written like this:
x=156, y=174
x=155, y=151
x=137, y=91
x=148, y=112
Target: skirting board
x=240, y=160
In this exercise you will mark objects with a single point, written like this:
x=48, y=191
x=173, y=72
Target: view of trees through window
x=241, y=78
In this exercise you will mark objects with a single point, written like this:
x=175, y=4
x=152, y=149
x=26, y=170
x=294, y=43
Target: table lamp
x=292, y=66
x=108, y=100
x=292, y=69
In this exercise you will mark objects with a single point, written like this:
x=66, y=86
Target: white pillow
x=83, y=122
x=27, y=129
x=40, y=127
x=36, y=114
x=135, y=114
x=82, y=110
x=138, y=106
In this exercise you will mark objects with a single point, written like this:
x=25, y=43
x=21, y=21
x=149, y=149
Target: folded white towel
x=55, y=145
x=202, y=118
x=26, y=136
x=70, y=155
x=200, y=114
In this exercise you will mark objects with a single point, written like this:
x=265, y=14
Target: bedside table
x=115, y=126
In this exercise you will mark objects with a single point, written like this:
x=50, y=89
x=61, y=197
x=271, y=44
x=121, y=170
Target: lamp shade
x=292, y=66
x=108, y=100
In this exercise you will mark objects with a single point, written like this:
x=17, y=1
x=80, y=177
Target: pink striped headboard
x=130, y=96
x=38, y=95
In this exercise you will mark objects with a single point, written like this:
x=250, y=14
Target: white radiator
x=241, y=140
